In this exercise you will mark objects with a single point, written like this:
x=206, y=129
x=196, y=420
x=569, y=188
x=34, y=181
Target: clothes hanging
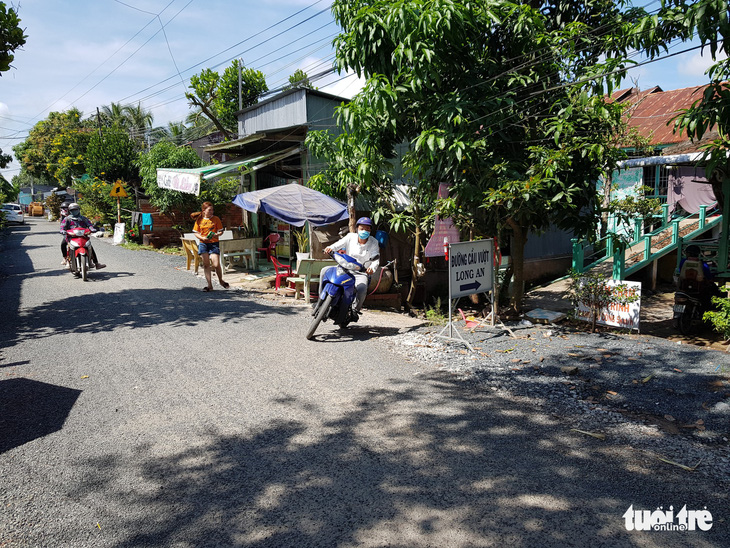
x=136, y=217
x=689, y=188
x=146, y=221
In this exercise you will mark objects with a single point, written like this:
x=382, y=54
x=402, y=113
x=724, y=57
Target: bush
x=720, y=318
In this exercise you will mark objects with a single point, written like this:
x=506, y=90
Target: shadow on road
x=430, y=463
x=134, y=309
x=30, y=409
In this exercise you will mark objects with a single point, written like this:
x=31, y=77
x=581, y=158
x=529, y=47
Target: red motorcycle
x=79, y=251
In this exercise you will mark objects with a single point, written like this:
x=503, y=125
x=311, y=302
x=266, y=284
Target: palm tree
x=139, y=122
x=114, y=114
x=175, y=132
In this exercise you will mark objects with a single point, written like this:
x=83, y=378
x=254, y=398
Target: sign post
x=471, y=270
x=118, y=192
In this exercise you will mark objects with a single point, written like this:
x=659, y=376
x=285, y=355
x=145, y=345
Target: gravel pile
x=669, y=400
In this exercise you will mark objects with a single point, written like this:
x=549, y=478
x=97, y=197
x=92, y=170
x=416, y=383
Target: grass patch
x=170, y=250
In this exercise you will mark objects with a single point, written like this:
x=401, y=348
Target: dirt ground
x=656, y=309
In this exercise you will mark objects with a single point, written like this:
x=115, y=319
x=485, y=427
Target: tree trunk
x=519, y=239
x=414, y=266
x=604, y=204
x=351, y=195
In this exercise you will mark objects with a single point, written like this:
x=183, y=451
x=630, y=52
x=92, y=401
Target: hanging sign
x=179, y=180
x=471, y=268
x=118, y=191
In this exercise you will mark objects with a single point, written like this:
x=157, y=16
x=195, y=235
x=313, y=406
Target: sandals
x=224, y=285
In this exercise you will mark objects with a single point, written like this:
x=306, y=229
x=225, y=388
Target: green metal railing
x=665, y=239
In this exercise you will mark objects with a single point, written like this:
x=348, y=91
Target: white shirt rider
x=365, y=249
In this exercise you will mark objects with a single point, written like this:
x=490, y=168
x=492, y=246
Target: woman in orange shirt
x=207, y=229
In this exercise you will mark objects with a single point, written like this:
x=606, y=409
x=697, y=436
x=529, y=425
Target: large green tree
x=216, y=96
x=56, y=147
x=112, y=155
x=134, y=119
x=501, y=99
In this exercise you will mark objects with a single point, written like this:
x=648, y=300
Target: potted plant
x=302, y=237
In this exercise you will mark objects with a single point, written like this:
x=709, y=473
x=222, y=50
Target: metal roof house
x=276, y=128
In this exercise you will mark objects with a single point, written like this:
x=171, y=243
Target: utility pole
x=240, y=92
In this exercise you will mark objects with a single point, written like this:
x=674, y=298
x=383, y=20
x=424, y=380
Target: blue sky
x=90, y=53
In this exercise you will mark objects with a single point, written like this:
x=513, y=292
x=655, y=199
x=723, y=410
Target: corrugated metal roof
x=653, y=110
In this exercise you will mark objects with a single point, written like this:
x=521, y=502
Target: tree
x=709, y=21
x=175, y=132
x=180, y=205
x=56, y=147
x=112, y=156
x=503, y=100
x=135, y=120
x=299, y=80
x=217, y=96
x=11, y=36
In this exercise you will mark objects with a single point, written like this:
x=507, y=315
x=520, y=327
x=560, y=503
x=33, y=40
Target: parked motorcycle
x=689, y=311
x=336, y=294
x=79, y=251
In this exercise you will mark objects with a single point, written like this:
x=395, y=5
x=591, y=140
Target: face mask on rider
x=363, y=234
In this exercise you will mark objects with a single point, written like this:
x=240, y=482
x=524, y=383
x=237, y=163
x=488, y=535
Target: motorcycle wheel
x=84, y=268
x=322, y=312
x=684, y=322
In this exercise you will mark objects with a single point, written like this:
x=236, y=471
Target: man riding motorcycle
x=362, y=247
x=696, y=277
x=76, y=220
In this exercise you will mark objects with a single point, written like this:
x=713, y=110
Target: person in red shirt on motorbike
x=76, y=220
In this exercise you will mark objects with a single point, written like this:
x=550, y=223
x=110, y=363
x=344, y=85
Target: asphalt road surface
x=137, y=410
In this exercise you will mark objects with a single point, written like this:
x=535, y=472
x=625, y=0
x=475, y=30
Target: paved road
x=136, y=410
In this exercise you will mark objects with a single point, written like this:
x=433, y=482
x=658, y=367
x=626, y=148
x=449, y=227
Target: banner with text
x=179, y=180
x=617, y=315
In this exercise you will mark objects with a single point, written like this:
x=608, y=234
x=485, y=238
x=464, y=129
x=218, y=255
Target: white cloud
x=696, y=64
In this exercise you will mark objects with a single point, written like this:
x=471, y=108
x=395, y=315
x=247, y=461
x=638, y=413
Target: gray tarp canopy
x=294, y=204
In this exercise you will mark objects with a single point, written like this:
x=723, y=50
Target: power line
x=103, y=62
x=240, y=54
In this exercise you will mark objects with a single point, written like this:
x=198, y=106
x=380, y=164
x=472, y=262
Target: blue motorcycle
x=336, y=294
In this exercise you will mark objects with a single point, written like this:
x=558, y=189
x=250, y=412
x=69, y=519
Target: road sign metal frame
x=478, y=254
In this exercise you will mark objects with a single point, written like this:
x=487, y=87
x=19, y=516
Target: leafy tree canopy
x=56, y=147
x=501, y=99
x=299, y=79
x=216, y=96
x=11, y=36
x=178, y=204
x=112, y=156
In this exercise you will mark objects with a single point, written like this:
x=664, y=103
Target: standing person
x=362, y=247
x=207, y=229
x=74, y=219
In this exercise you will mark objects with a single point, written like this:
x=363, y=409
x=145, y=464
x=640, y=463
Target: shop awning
x=189, y=180
x=294, y=204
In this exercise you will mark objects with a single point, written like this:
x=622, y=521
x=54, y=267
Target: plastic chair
x=269, y=245
x=283, y=271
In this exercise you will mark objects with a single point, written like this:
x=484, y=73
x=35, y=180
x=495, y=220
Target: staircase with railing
x=638, y=248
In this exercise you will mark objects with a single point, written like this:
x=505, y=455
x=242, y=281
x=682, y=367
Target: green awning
x=188, y=180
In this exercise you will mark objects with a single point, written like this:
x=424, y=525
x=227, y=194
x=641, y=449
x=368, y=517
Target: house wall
x=162, y=224
x=285, y=111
